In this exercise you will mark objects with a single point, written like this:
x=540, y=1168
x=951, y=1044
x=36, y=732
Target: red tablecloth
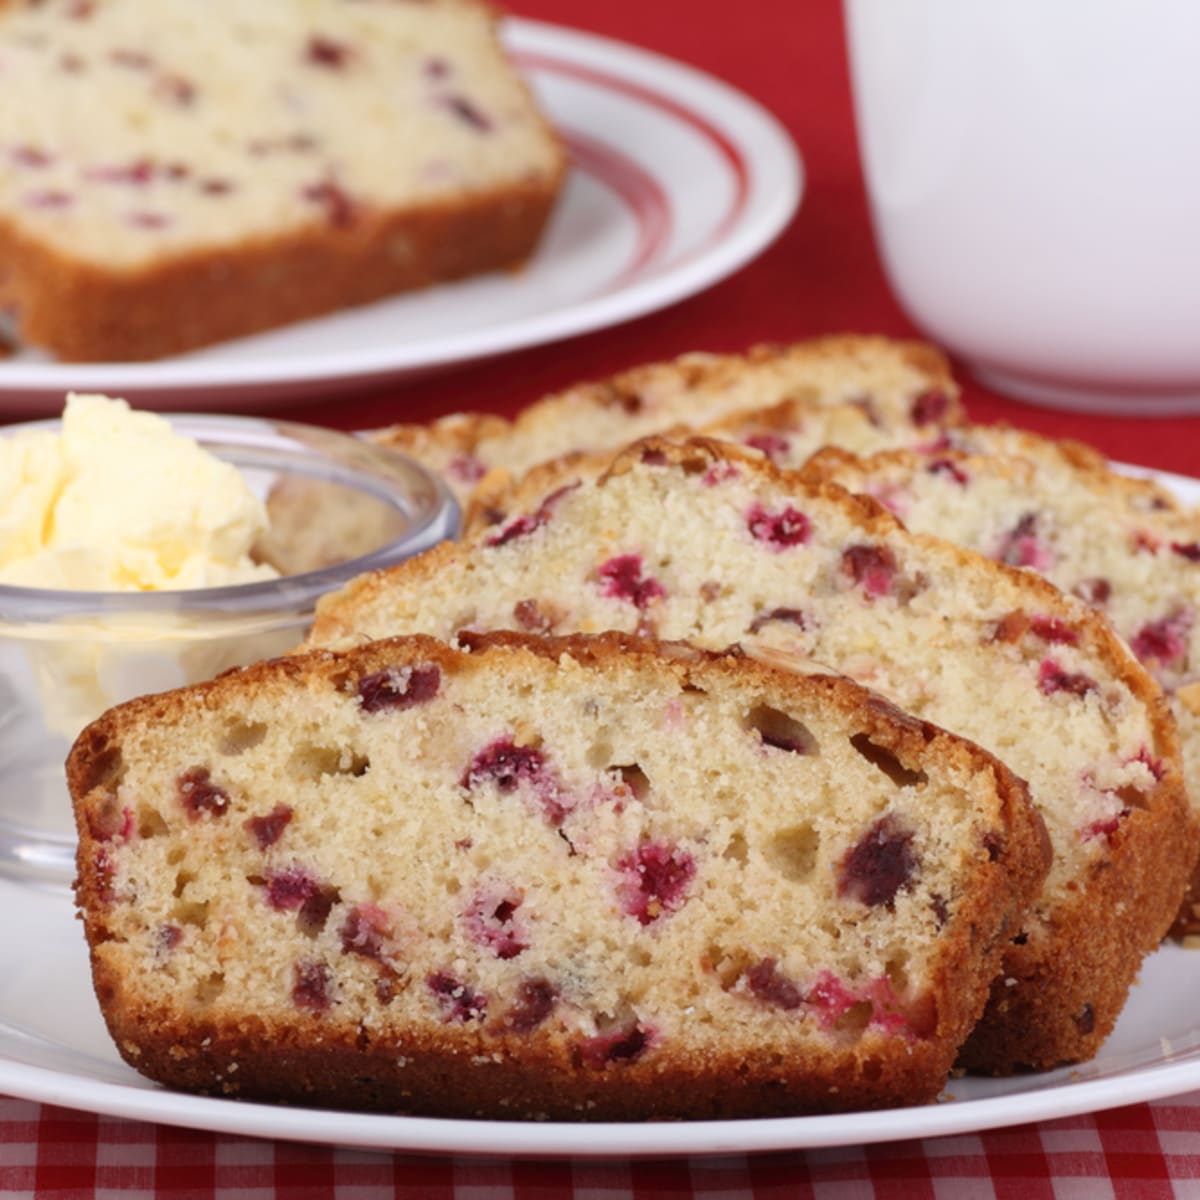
x=821, y=276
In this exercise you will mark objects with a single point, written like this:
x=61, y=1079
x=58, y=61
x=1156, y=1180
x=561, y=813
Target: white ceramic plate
x=54, y=1049
x=678, y=180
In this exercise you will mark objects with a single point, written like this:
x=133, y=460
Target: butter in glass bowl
x=140, y=553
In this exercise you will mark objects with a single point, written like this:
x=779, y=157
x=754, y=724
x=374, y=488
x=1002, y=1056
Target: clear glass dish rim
x=399, y=480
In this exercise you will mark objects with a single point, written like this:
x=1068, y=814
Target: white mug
x=1033, y=168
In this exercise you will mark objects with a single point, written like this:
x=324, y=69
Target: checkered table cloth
x=1142, y=1152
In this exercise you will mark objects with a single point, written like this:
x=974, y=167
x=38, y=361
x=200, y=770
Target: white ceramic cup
x=1033, y=169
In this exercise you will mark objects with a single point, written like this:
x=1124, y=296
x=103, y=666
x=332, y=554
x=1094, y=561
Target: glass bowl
x=339, y=506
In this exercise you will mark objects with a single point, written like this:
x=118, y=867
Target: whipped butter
x=118, y=501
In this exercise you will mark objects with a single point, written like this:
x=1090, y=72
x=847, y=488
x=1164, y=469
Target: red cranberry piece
x=48, y=199
x=1165, y=641
x=1095, y=591
x=80, y=10
x=718, y=473
x=166, y=939
x=773, y=445
x=365, y=931
x=519, y=527
x=930, y=406
x=139, y=172
x=623, y=579
x=267, y=830
x=830, y=999
x=435, y=68
x=214, y=187
x=466, y=468
x=1141, y=541
x=654, y=880
x=1020, y=546
x=772, y=988
x=198, y=794
x=791, y=615
x=510, y=767
x=506, y=764
x=311, y=986
x=30, y=156
x=339, y=209
x=175, y=89
x=324, y=51
x=888, y=1014
x=296, y=889
x=467, y=112
x=779, y=530
x=491, y=922
x=1052, y=678
x=534, y=1001
x=626, y=1045
x=948, y=467
x=1188, y=550
x=1053, y=629
x=291, y=888
x=1153, y=765
x=526, y=523
x=457, y=1001
x=1104, y=828
x=879, y=864
x=106, y=825
x=399, y=687
x=872, y=567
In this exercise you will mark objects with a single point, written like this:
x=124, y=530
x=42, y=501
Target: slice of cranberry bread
x=188, y=180
x=790, y=432
x=1060, y=455
x=573, y=878
x=890, y=382
x=1088, y=531
x=713, y=544
x=787, y=433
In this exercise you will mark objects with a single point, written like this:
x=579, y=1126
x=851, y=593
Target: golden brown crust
x=456, y=1070
x=86, y=313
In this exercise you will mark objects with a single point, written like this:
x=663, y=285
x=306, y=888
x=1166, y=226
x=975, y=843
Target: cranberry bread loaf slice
x=1088, y=531
x=191, y=180
x=788, y=433
x=572, y=878
x=1064, y=456
x=890, y=381
x=713, y=544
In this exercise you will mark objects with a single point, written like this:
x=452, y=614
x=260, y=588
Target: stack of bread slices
x=773, y=741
